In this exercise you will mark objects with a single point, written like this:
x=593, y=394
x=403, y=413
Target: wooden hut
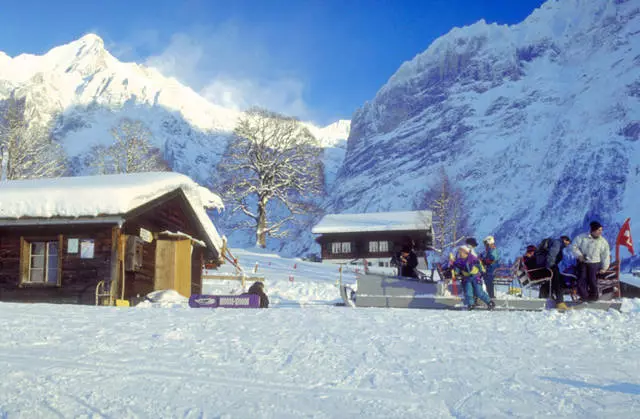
x=96, y=239
x=372, y=236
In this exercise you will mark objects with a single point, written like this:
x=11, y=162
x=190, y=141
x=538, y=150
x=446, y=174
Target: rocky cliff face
x=538, y=122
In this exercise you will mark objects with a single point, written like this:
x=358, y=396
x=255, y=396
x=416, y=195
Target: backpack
x=543, y=251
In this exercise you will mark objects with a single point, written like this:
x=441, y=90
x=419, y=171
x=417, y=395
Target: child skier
x=490, y=259
x=468, y=267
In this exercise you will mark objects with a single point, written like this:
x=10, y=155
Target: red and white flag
x=624, y=236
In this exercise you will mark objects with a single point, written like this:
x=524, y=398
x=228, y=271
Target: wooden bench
x=609, y=282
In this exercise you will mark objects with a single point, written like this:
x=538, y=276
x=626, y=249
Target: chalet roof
x=105, y=196
x=374, y=221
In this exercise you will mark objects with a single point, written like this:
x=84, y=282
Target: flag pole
x=618, y=269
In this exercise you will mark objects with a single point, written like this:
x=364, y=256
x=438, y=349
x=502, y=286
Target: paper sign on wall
x=146, y=235
x=72, y=246
x=86, y=249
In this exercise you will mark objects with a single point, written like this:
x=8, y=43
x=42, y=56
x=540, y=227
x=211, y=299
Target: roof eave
x=111, y=219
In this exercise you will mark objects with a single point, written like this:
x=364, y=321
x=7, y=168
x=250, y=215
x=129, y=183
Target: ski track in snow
x=314, y=360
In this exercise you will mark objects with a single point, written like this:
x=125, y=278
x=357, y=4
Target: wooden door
x=173, y=266
x=182, y=282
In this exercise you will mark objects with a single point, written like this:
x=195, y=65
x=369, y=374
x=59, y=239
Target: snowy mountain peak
x=334, y=133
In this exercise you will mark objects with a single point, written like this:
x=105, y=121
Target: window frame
x=378, y=246
x=340, y=248
x=26, y=257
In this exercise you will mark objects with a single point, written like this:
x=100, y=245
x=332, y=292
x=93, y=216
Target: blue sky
x=319, y=60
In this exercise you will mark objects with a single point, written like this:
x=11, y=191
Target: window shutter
x=25, y=255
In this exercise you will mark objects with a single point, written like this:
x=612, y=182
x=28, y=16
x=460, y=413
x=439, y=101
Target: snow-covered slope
x=538, y=122
x=320, y=361
x=83, y=91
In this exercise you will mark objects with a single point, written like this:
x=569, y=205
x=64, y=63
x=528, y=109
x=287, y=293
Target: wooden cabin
x=372, y=236
x=96, y=239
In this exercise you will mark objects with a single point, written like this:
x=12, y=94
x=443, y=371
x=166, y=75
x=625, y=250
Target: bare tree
x=271, y=162
x=450, y=218
x=27, y=150
x=131, y=152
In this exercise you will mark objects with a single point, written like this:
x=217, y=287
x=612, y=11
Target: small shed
x=94, y=239
x=372, y=236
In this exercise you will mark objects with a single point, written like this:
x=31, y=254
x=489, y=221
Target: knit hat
x=489, y=240
x=464, y=249
x=531, y=248
x=595, y=225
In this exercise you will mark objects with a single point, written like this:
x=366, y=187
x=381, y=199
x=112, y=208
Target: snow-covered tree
x=271, y=162
x=449, y=215
x=131, y=152
x=26, y=150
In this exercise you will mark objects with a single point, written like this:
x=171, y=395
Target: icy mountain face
x=82, y=91
x=538, y=122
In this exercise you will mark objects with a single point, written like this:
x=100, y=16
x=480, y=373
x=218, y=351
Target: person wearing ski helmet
x=490, y=258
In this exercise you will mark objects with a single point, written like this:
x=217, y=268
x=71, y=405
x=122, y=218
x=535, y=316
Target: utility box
x=133, y=254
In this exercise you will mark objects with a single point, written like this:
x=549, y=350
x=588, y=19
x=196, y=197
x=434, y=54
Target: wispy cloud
x=283, y=95
x=228, y=65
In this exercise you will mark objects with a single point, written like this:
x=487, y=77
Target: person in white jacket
x=593, y=254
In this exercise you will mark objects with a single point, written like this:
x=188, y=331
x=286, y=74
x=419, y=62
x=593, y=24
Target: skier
x=257, y=288
x=550, y=253
x=408, y=262
x=593, y=254
x=490, y=259
x=468, y=267
x=472, y=243
x=529, y=258
x=568, y=265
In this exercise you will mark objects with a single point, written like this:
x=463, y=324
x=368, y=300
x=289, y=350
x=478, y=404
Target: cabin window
x=378, y=246
x=340, y=247
x=43, y=263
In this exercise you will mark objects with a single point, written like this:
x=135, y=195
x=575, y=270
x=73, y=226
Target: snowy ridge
x=539, y=123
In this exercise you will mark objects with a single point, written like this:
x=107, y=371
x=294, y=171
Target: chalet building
x=372, y=236
x=95, y=239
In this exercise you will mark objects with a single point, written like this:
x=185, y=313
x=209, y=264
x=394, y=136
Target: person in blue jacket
x=491, y=259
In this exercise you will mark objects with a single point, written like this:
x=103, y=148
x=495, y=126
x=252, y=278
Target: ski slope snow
x=313, y=359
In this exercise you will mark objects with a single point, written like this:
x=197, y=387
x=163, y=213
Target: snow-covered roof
x=106, y=195
x=374, y=221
